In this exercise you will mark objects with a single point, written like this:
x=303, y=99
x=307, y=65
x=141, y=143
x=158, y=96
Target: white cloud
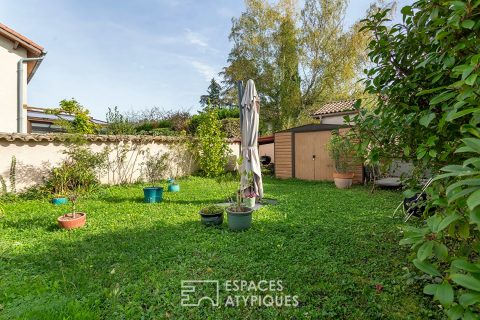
x=195, y=38
x=207, y=71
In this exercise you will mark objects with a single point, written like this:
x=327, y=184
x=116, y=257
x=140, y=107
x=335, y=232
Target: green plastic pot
x=211, y=219
x=238, y=221
x=153, y=194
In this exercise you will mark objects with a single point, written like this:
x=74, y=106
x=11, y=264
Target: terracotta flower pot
x=343, y=180
x=67, y=221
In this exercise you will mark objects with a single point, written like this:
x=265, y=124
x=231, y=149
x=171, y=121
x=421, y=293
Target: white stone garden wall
x=36, y=154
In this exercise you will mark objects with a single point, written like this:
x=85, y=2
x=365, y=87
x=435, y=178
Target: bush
x=212, y=149
x=118, y=123
x=341, y=149
x=79, y=172
x=155, y=167
x=81, y=123
x=231, y=127
x=224, y=113
x=213, y=210
x=426, y=75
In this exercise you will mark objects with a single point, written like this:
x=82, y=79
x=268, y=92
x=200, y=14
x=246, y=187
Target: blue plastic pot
x=174, y=187
x=153, y=194
x=57, y=201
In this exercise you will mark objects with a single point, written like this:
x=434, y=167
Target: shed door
x=312, y=161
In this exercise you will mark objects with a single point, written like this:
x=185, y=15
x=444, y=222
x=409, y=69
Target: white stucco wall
x=8, y=85
x=36, y=158
x=333, y=120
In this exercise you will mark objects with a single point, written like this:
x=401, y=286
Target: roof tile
x=334, y=107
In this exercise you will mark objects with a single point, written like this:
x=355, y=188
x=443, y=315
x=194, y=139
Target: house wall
x=8, y=85
x=334, y=119
x=36, y=156
x=267, y=150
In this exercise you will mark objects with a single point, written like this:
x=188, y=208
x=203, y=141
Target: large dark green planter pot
x=238, y=221
x=57, y=201
x=173, y=187
x=211, y=219
x=153, y=194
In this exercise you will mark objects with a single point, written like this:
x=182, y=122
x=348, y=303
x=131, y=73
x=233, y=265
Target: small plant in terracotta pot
x=341, y=151
x=72, y=219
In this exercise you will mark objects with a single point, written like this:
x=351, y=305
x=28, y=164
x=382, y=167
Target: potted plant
x=154, y=166
x=212, y=215
x=173, y=186
x=59, y=182
x=239, y=215
x=341, y=151
x=72, y=219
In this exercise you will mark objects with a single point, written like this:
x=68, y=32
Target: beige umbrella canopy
x=251, y=160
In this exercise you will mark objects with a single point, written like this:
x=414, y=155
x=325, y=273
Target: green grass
x=330, y=247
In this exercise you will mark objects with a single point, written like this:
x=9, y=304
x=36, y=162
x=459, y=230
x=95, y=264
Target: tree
x=289, y=97
x=81, y=122
x=425, y=75
x=329, y=59
x=213, y=95
x=253, y=55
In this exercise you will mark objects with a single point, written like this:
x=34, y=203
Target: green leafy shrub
x=212, y=149
x=213, y=210
x=81, y=122
x=231, y=127
x=341, y=149
x=222, y=113
x=155, y=167
x=225, y=113
x=118, y=123
x=79, y=172
x=425, y=76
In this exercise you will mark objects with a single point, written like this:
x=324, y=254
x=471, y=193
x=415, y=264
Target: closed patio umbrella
x=251, y=161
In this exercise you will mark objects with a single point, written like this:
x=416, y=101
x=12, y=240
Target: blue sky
x=130, y=54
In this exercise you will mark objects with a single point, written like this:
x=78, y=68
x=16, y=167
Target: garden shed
x=301, y=153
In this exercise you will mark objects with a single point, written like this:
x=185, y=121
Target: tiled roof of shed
x=334, y=107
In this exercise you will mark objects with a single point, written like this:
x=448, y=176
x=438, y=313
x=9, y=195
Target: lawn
x=337, y=250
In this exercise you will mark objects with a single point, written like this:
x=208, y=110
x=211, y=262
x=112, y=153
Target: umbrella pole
x=240, y=96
